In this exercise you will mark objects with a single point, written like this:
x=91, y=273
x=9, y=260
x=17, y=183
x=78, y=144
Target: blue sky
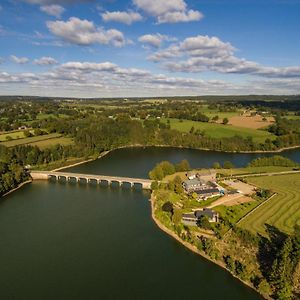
x=149, y=48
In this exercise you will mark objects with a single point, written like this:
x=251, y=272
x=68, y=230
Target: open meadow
x=42, y=141
x=281, y=211
x=219, y=130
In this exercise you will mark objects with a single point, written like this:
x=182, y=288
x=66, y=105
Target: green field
x=220, y=130
x=283, y=210
x=251, y=170
x=19, y=134
x=31, y=140
x=64, y=141
x=236, y=212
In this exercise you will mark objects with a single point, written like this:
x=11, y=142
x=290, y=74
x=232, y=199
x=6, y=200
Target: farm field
x=64, y=141
x=30, y=140
x=283, y=210
x=18, y=134
x=254, y=122
x=251, y=170
x=220, y=130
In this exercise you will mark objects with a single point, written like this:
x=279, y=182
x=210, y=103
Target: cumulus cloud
x=154, y=40
x=169, y=11
x=50, y=2
x=89, y=79
x=180, y=16
x=121, y=17
x=19, y=60
x=53, y=10
x=204, y=53
x=45, y=61
x=84, y=32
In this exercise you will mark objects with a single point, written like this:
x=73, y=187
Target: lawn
x=64, y=141
x=251, y=170
x=30, y=140
x=220, y=130
x=13, y=134
x=236, y=212
x=283, y=210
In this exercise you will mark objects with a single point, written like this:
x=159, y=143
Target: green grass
x=219, y=130
x=236, y=212
x=42, y=116
x=251, y=170
x=283, y=210
x=30, y=140
x=64, y=141
x=14, y=135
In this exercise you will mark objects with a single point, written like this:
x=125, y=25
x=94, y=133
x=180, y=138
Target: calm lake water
x=74, y=241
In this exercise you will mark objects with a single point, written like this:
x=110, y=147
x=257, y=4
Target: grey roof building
x=192, y=218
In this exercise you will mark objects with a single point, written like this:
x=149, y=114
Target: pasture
x=42, y=144
x=282, y=211
x=32, y=140
x=219, y=130
x=17, y=134
x=254, y=122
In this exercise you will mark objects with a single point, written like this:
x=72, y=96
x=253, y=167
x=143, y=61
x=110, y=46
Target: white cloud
x=121, y=17
x=84, y=32
x=204, y=53
x=45, y=61
x=169, y=11
x=180, y=16
x=90, y=79
x=60, y=2
x=154, y=40
x=53, y=10
x=19, y=60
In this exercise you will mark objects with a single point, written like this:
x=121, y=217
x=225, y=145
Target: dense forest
x=12, y=171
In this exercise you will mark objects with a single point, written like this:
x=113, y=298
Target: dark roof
x=189, y=215
x=207, y=191
x=205, y=212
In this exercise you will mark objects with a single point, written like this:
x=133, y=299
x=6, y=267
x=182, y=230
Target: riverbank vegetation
x=257, y=241
x=12, y=171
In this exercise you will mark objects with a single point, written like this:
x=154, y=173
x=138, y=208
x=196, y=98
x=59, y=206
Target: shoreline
x=104, y=153
x=17, y=188
x=193, y=248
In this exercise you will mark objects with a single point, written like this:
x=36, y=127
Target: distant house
x=192, y=218
x=193, y=185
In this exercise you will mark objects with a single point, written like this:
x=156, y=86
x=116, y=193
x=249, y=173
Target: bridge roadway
x=45, y=175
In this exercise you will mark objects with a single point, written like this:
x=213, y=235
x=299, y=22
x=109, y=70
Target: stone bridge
x=45, y=175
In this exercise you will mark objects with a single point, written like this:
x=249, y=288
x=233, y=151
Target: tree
x=228, y=165
x=157, y=173
x=178, y=185
x=225, y=121
x=216, y=165
x=154, y=185
x=203, y=222
x=167, y=207
x=215, y=118
x=183, y=166
x=27, y=133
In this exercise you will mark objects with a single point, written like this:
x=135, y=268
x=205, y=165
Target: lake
x=77, y=241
